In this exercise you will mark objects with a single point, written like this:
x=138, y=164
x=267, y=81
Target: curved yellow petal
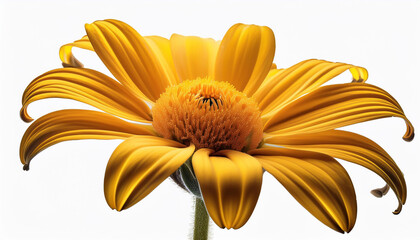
x=159, y=45
x=245, y=56
x=317, y=181
x=271, y=74
x=353, y=148
x=194, y=57
x=230, y=184
x=88, y=86
x=162, y=49
x=335, y=106
x=72, y=124
x=66, y=54
x=129, y=58
x=138, y=166
x=283, y=87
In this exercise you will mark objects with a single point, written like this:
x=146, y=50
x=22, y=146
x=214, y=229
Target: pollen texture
x=209, y=114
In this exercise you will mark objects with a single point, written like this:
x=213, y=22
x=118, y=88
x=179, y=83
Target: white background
x=61, y=197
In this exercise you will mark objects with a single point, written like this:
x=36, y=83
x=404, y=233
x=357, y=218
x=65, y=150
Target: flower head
x=221, y=110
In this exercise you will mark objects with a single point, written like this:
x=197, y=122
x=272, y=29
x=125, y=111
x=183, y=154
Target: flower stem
x=201, y=221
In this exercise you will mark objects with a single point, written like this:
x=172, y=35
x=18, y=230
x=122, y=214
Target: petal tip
x=88, y=26
x=113, y=206
x=24, y=115
x=409, y=137
x=26, y=167
x=76, y=64
x=398, y=210
x=409, y=133
x=339, y=230
x=380, y=192
x=377, y=193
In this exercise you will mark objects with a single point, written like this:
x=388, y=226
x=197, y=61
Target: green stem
x=201, y=221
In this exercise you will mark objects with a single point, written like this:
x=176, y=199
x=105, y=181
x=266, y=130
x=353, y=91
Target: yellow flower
x=215, y=114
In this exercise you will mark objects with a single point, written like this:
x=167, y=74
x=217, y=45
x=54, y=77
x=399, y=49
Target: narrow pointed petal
x=129, y=57
x=65, y=125
x=138, y=166
x=87, y=86
x=230, y=184
x=66, y=54
x=353, y=148
x=335, y=106
x=317, y=181
x=245, y=56
x=283, y=87
x=194, y=57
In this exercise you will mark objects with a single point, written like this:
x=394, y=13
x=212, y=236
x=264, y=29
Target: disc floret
x=208, y=114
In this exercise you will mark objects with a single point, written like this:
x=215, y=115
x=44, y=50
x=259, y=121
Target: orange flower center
x=209, y=114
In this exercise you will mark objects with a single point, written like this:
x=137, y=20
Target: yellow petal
x=129, y=58
x=245, y=56
x=67, y=125
x=88, y=86
x=194, y=57
x=283, y=87
x=268, y=80
x=159, y=45
x=317, y=181
x=230, y=184
x=335, y=106
x=138, y=166
x=162, y=49
x=353, y=148
x=66, y=54
x=273, y=66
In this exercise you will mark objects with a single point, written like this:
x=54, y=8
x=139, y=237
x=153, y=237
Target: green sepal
x=189, y=179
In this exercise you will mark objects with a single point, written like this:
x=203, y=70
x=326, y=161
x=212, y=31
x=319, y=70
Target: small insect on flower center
x=208, y=114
